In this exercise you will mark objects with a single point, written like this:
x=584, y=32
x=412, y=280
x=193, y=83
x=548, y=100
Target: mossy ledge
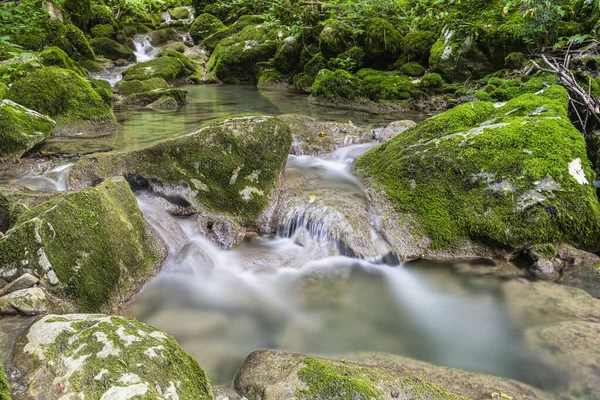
x=504, y=177
x=4, y=385
x=91, y=247
x=108, y=357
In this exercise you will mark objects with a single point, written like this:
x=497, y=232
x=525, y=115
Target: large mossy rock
x=278, y=375
x=211, y=42
x=382, y=40
x=127, y=88
x=229, y=166
x=105, y=357
x=235, y=57
x=92, y=247
x=112, y=50
x=205, y=25
x=164, y=36
x=146, y=98
x=21, y=129
x=335, y=38
x=55, y=56
x=65, y=96
x=170, y=66
x=504, y=177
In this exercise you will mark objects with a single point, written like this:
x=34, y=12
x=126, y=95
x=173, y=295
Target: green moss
x=103, y=88
x=101, y=15
x=63, y=236
x=211, y=42
x=127, y=88
x=161, y=37
x=378, y=85
x=146, y=98
x=54, y=56
x=3, y=90
x=382, y=40
x=92, y=66
x=79, y=12
x=4, y=385
x=102, y=30
x=288, y=55
x=189, y=66
x=546, y=250
x=483, y=95
x=351, y=60
x=79, y=43
x=334, y=38
x=339, y=84
x=416, y=46
x=514, y=60
x=34, y=40
x=179, y=13
x=164, y=103
x=65, y=96
x=230, y=165
x=305, y=80
x=170, y=69
x=463, y=181
x=268, y=78
x=432, y=81
x=205, y=25
x=412, y=69
x=112, y=50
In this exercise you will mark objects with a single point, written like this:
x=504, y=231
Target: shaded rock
x=91, y=247
x=164, y=103
x=205, y=25
x=32, y=301
x=99, y=356
x=177, y=96
x=272, y=374
x=223, y=393
x=228, y=166
x=112, y=50
x=21, y=129
x=391, y=131
x=315, y=138
x=169, y=66
x=161, y=37
x=580, y=269
x=25, y=281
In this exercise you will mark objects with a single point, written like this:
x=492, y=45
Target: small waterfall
x=54, y=179
x=144, y=51
x=166, y=17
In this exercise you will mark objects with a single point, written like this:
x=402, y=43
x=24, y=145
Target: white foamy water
x=144, y=51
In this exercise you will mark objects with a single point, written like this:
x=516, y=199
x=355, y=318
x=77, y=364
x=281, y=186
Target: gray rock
x=223, y=393
x=32, y=301
x=391, y=131
x=25, y=281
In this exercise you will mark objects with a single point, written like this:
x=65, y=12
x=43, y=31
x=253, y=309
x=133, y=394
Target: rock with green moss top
x=351, y=60
x=235, y=57
x=55, y=56
x=127, y=88
x=416, y=46
x=81, y=48
x=171, y=66
x=287, y=58
x=102, y=30
x=211, y=42
x=412, y=69
x=514, y=60
x=146, y=98
x=161, y=37
x=112, y=50
x=65, y=96
x=382, y=40
x=108, y=357
x=33, y=301
x=4, y=385
x=179, y=47
x=305, y=80
x=432, y=81
x=339, y=84
x=103, y=88
x=102, y=15
x=272, y=80
x=21, y=129
x=229, y=166
x=272, y=374
x=483, y=177
x=79, y=12
x=179, y=13
x=335, y=38
x=164, y=103
x=58, y=241
x=205, y=25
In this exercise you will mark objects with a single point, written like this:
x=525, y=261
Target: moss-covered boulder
x=127, y=88
x=21, y=129
x=229, y=166
x=170, y=66
x=335, y=38
x=178, y=13
x=3, y=90
x=80, y=47
x=235, y=57
x=102, y=30
x=305, y=80
x=161, y=37
x=205, y=25
x=416, y=46
x=382, y=41
x=79, y=12
x=103, y=88
x=65, y=96
x=55, y=56
x=92, y=247
x=101, y=15
x=164, y=103
x=112, y=50
x=108, y=357
x=278, y=375
x=211, y=42
x=503, y=177
x=146, y=98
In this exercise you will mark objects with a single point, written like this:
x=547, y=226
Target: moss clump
x=234, y=59
x=4, y=385
x=65, y=96
x=333, y=85
x=20, y=129
x=127, y=88
x=112, y=50
x=55, y=56
x=514, y=60
x=114, y=354
x=230, y=165
x=334, y=39
x=351, y=60
x=3, y=90
x=271, y=78
x=161, y=37
x=505, y=182
x=80, y=12
x=546, y=250
x=205, y=25
x=412, y=69
x=91, y=247
x=179, y=13
x=416, y=46
x=79, y=43
x=146, y=98
x=101, y=15
x=211, y=42
x=432, y=81
x=305, y=80
x=103, y=88
x=287, y=58
x=164, y=103
x=382, y=40
x=378, y=85
x=102, y=30
x=166, y=67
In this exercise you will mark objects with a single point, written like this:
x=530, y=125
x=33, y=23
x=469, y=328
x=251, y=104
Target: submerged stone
x=105, y=357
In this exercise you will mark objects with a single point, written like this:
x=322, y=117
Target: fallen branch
x=57, y=156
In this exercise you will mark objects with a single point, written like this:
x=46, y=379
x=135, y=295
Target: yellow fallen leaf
x=505, y=396
x=322, y=134
x=312, y=198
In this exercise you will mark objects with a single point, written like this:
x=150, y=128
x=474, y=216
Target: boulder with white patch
x=76, y=356
x=229, y=167
x=92, y=248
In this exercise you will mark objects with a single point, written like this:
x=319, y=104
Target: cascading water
x=144, y=51
x=292, y=293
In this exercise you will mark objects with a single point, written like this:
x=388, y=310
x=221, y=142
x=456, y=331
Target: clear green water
x=139, y=126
